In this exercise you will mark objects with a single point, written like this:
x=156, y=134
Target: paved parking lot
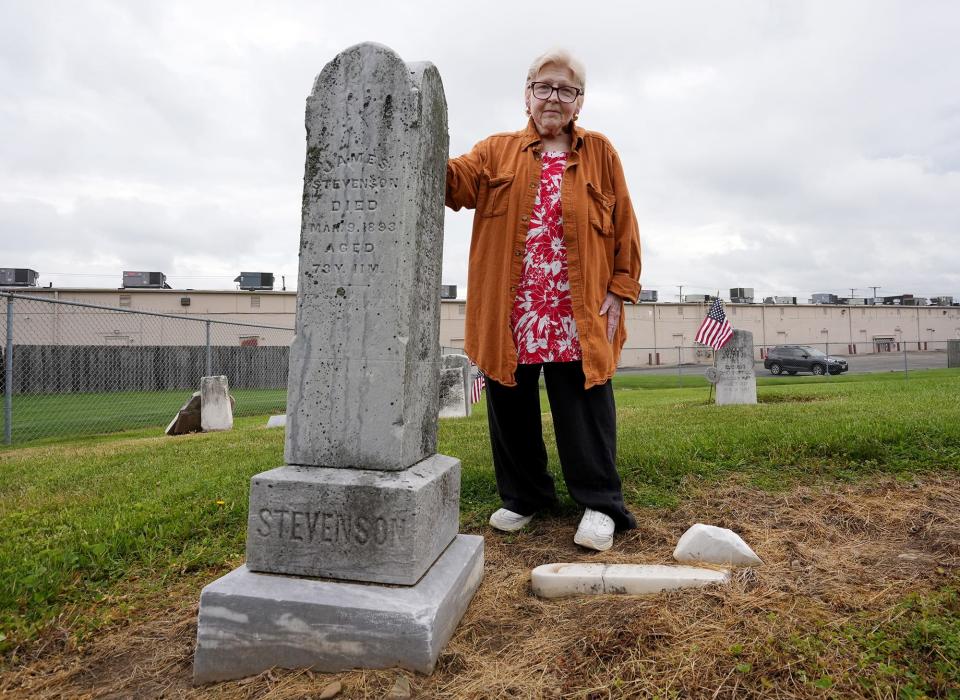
x=889, y=362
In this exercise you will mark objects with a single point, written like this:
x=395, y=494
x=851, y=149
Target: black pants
x=585, y=423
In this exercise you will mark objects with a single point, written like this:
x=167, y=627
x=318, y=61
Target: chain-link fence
x=894, y=354
x=72, y=368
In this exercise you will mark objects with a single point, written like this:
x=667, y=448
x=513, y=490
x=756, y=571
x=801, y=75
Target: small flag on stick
x=715, y=330
x=476, y=389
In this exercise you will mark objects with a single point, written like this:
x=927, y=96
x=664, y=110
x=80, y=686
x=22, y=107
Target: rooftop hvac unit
x=648, y=295
x=251, y=281
x=824, y=299
x=448, y=291
x=697, y=298
x=741, y=295
x=780, y=300
x=897, y=299
x=914, y=301
x=17, y=277
x=942, y=301
x=853, y=301
x=144, y=280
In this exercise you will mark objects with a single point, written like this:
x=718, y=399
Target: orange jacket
x=499, y=178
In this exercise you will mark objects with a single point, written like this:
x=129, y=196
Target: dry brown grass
x=833, y=554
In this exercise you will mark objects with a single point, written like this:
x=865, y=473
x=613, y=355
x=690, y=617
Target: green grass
x=87, y=516
x=83, y=517
x=55, y=416
x=696, y=378
x=914, y=652
x=48, y=418
x=803, y=427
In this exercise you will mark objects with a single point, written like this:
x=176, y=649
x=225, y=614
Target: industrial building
x=655, y=329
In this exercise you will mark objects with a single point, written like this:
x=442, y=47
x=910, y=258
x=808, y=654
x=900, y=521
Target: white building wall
x=662, y=327
x=651, y=328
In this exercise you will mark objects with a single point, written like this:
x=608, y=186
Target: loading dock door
x=883, y=343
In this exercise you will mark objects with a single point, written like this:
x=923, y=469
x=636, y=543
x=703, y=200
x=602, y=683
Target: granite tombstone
x=364, y=500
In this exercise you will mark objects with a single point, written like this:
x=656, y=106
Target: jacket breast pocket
x=601, y=210
x=494, y=194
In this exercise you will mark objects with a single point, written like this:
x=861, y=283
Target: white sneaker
x=595, y=531
x=508, y=521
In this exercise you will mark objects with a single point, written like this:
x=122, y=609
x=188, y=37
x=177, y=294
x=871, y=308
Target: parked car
x=802, y=358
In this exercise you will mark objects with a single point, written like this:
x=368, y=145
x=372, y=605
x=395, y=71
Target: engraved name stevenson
x=330, y=527
x=352, y=192
x=348, y=193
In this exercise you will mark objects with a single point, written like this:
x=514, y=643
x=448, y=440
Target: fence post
x=679, y=369
x=826, y=347
x=209, y=355
x=8, y=378
x=906, y=374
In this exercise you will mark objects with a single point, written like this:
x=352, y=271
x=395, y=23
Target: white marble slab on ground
x=277, y=421
x=561, y=580
x=714, y=545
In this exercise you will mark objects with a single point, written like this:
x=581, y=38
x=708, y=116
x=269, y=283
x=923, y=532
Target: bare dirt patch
x=832, y=553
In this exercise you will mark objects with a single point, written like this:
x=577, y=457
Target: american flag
x=476, y=389
x=715, y=330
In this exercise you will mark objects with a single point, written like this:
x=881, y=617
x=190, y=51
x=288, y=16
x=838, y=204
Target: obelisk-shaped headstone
x=363, y=366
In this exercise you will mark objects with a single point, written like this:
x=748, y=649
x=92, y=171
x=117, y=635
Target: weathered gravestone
x=953, y=353
x=735, y=378
x=455, y=386
x=216, y=409
x=364, y=500
x=211, y=408
x=187, y=419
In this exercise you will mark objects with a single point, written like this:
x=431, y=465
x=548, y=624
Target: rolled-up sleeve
x=625, y=282
x=463, y=179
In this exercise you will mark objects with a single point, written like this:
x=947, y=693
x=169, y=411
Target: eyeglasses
x=565, y=93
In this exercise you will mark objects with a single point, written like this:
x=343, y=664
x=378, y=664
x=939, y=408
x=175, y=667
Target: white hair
x=560, y=57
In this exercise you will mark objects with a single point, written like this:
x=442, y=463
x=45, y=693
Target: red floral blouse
x=544, y=329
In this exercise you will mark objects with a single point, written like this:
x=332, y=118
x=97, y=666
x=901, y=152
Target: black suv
x=802, y=358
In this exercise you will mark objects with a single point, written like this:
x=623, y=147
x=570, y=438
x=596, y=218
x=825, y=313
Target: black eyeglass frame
x=533, y=90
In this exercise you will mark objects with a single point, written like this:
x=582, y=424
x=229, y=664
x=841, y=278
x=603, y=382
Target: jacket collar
x=531, y=137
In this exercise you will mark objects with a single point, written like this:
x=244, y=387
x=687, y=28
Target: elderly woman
x=554, y=253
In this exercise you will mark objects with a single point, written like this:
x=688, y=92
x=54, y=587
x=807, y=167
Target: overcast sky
x=793, y=147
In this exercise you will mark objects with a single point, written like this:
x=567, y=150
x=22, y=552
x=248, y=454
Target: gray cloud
x=790, y=147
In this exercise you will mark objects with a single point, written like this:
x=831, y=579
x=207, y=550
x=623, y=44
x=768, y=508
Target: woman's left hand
x=611, y=309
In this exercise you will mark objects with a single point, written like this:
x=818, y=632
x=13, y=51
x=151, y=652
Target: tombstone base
x=353, y=524
x=250, y=622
